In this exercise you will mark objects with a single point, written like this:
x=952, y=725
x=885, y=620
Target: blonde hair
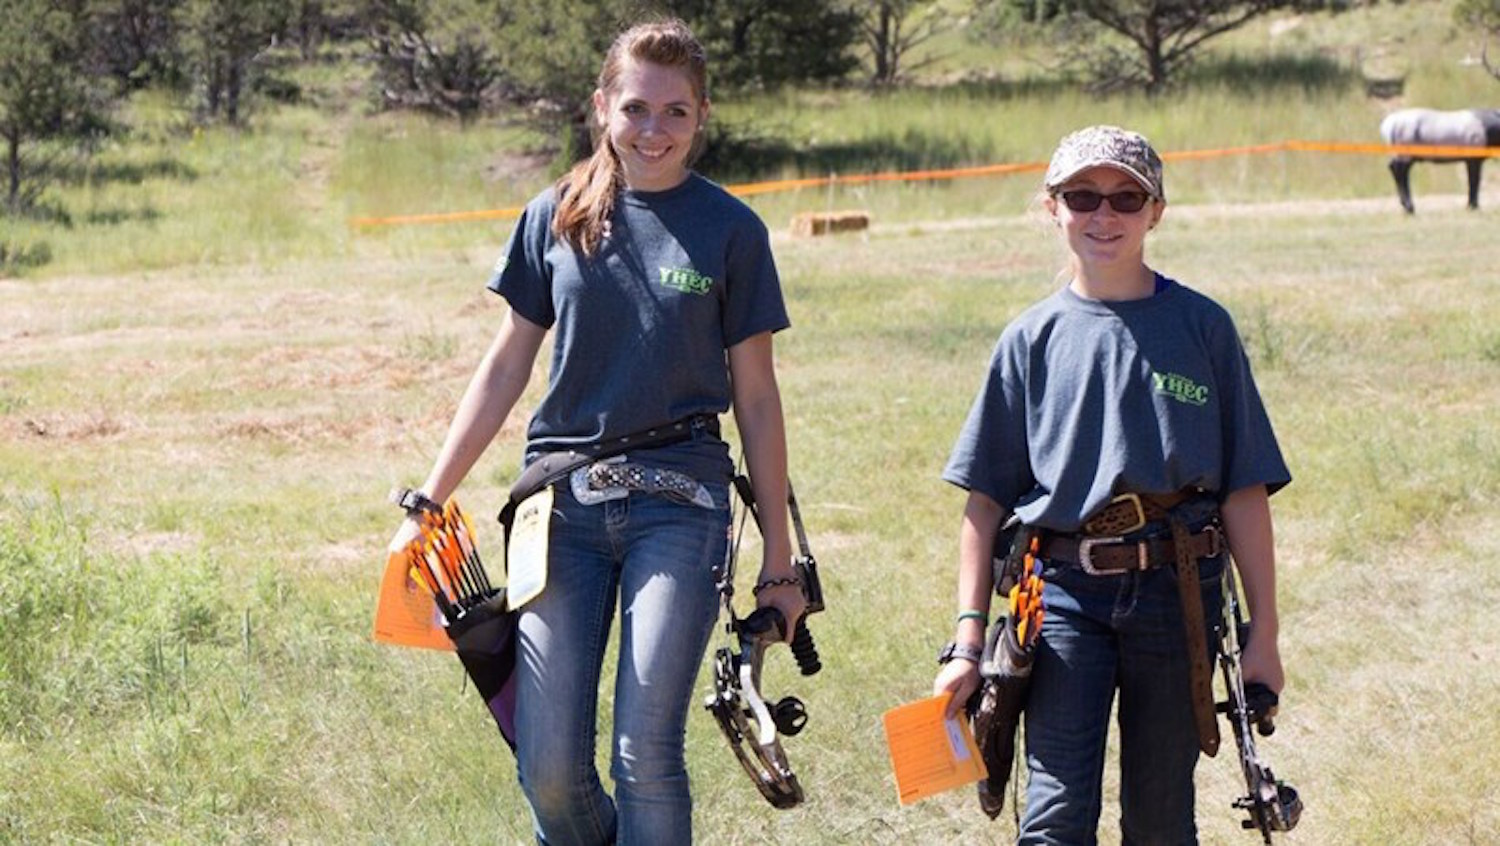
x=586, y=193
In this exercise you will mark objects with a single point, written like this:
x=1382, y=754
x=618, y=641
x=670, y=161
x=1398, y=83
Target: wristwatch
x=413, y=502
x=965, y=651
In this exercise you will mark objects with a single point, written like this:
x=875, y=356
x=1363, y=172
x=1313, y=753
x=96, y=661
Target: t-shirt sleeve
x=753, y=301
x=1252, y=455
x=991, y=453
x=521, y=274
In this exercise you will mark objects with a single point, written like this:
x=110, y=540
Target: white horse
x=1464, y=128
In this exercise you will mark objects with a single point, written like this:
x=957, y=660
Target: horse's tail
x=1490, y=120
x=1392, y=129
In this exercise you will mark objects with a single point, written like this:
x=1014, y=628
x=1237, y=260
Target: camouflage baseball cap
x=1106, y=146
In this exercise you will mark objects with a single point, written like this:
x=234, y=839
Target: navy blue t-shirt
x=642, y=327
x=1085, y=399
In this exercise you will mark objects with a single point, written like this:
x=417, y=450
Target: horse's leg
x=1474, y=165
x=1401, y=170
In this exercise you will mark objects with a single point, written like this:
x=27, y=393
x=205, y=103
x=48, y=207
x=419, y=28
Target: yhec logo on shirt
x=686, y=280
x=1180, y=388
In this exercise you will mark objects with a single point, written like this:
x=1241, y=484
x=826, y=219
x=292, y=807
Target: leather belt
x=1130, y=512
x=1200, y=683
x=1109, y=555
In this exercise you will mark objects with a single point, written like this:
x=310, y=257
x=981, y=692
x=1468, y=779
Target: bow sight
x=750, y=724
x=1270, y=805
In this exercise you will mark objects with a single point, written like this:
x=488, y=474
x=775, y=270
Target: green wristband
x=971, y=614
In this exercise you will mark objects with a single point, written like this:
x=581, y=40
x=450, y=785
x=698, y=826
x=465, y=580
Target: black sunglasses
x=1124, y=202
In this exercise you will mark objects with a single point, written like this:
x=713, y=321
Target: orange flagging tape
x=751, y=189
x=445, y=217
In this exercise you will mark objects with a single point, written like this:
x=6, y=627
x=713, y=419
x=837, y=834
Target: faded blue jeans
x=656, y=557
x=1102, y=634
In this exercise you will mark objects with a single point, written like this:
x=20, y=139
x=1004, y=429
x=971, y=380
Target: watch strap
x=953, y=649
x=414, y=502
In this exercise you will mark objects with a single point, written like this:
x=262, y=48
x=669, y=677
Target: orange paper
x=930, y=754
x=405, y=614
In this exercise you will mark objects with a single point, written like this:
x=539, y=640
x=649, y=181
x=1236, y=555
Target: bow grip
x=1260, y=707
x=765, y=624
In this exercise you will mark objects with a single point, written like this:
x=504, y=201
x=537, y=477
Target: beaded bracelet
x=770, y=583
x=972, y=614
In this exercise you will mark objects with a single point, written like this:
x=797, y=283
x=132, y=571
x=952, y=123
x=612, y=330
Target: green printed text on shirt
x=686, y=280
x=1180, y=388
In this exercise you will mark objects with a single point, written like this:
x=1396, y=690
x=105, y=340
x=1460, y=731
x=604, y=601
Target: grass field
x=206, y=394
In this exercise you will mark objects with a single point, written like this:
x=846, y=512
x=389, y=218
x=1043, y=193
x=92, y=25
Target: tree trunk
x=885, y=71
x=13, y=168
x=214, y=83
x=232, y=90
x=1156, y=63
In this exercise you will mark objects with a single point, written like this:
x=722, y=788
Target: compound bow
x=750, y=724
x=1271, y=805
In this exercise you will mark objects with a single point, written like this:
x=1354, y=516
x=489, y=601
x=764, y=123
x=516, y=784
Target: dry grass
x=195, y=450
x=193, y=426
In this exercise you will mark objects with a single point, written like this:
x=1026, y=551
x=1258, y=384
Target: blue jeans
x=1103, y=633
x=657, y=557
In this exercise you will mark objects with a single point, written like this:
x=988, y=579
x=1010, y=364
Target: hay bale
x=1384, y=88
x=827, y=223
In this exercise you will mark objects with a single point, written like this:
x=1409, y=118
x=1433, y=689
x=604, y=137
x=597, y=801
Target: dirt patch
x=517, y=168
x=347, y=557
x=296, y=430
x=70, y=427
x=341, y=368
x=149, y=544
x=378, y=432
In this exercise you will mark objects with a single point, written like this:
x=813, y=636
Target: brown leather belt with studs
x=1106, y=556
x=1102, y=549
x=1130, y=512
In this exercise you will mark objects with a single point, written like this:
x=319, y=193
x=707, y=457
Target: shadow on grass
x=742, y=153
x=126, y=173
x=1000, y=89
x=1264, y=75
x=109, y=217
x=40, y=211
x=748, y=151
x=17, y=258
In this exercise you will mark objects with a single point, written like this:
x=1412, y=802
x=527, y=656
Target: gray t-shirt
x=1085, y=399
x=642, y=327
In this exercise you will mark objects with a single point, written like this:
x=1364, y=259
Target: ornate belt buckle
x=1086, y=554
x=1101, y=522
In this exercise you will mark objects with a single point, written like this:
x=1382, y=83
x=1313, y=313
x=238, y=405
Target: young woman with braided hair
x=663, y=296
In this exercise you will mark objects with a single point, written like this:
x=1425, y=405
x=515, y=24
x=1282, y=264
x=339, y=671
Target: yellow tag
x=526, y=554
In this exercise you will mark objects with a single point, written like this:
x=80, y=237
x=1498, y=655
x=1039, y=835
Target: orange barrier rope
x=751, y=189
x=1424, y=151
x=1190, y=155
x=444, y=217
